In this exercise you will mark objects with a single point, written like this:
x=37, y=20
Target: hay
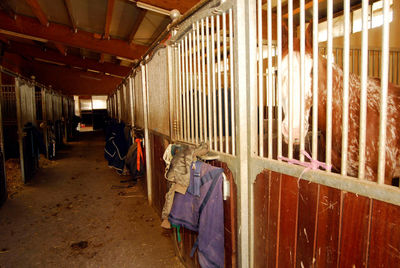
x=14, y=179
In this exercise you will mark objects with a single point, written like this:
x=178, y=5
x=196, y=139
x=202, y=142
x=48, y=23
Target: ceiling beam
x=61, y=48
x=139, y=19
x=70, y=60
x=6, y=7
x=37, y=10
x=71, y=81
x=68, y=7
x=110, y=9
x=4, y=39
x=62, y=34
x=180, y=5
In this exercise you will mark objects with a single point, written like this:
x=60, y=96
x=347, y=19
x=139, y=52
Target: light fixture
x=125, y=59
x=25, y=36
x=49, y=61
x=153, y=8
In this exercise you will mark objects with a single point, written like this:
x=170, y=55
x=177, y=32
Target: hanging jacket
x=201, y=210
x=178, y=175
x=116, y=147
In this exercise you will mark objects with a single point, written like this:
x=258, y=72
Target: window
x=375, y=19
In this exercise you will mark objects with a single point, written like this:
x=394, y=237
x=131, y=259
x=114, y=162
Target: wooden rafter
x=73, y=80
x=61, y=48
x=4, y=39
x=37, y=10
x=101, y=60
x=68, y=7
x=180, y=5
x=110, y=9
x=6, y=7
x=139, y=19
x=31, y=51
x=62, y=34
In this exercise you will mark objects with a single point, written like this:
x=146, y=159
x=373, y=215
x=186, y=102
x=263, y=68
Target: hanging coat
x=201, y=210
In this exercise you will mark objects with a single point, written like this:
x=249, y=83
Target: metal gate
x=241, y=79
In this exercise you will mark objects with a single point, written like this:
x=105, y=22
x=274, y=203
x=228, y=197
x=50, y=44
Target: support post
x=146, y=135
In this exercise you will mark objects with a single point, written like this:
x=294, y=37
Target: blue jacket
x=201, y=210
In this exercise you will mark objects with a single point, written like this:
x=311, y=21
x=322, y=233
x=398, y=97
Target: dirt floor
x=70, y=216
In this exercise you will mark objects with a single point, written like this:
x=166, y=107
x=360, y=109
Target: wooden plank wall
x=302, y=224
x=159, y=187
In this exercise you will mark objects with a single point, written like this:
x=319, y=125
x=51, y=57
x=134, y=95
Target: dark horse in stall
x=392, y=163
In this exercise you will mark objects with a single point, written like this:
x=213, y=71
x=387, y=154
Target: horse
x=392, y=148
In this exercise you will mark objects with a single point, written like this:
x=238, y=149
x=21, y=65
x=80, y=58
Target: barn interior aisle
x=69, y=216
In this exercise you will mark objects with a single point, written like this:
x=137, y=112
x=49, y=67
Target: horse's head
x=296, y=67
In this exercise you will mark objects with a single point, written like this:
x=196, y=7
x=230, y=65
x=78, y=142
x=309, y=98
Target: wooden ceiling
x=80, y=47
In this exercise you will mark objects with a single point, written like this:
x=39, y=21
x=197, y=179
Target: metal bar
x=279, y=76
x=231, y=58
x=199, y=75
x=270, y=88
x=315, y=83
x=194, y=88
x=171, y=88
x=218, y=17
x=146, y=135
x=20, y=123
x=44, y=117
x=192, y=122
x=203, y=72
x=363, y=97
x=212, y=63
x=302, y=76
x=188, y=135
x=260, y=81
x=209, y=62
x=132, y=100
x=245, y=27
x=384, y=93
x=290, y=35
x=225, y=84
x=181, y=110
x=329, y=87
x=345, y=107
x=392, y=69
x=397, y=68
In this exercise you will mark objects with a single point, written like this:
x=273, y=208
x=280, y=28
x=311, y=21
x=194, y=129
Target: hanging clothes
x=201, y=210
x=178, y=175
x=116, y=147
x=135, y=160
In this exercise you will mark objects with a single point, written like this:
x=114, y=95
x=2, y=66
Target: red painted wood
x=354, y=235
x=63, y=34
x=261, y=200
x=110, y=8
x=182, y=6
x=308, y=198
x=328, y=227
x=70, y=60
x=288, y=222
x=37, y=10
x=273, y=218
x=70, y=80
x=384, y=248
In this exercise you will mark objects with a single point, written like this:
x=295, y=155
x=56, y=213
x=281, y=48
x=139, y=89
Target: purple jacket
x=201, y=210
